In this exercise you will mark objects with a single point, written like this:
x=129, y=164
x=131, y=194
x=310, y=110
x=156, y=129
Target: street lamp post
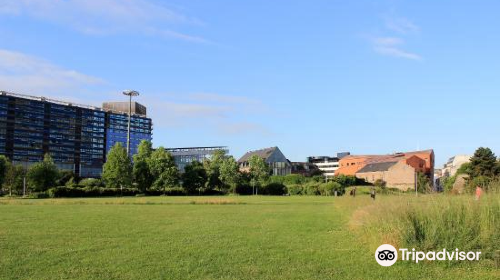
x=129, y=93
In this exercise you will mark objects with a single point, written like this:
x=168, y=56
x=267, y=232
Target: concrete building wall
x=371, y=177
x=401, y=176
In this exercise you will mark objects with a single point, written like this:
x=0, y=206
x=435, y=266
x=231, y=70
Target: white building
x=327, y=164
x=450, y=168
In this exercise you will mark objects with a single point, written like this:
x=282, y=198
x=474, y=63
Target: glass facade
x=184, y=156
x=117, y=127
x=77, y=137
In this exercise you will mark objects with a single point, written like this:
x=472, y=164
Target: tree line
x=154, y=172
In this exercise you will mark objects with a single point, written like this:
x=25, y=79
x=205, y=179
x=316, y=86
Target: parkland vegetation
x=482, y=171
x=154, y=172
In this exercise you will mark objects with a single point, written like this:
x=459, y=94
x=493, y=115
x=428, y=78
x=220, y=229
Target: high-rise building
x=117, y=125
x=76, y=136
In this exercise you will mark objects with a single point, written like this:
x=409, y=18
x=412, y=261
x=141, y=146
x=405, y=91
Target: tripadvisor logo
x=387, y=255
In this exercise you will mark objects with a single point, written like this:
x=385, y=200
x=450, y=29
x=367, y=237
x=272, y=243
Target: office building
x=184, y=156
x=305, y=168
x=76, y=136
x=327, y=164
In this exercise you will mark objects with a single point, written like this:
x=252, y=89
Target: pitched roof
x=263, y=153
x=378, y=166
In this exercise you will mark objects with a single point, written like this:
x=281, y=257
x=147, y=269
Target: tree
x=212, y=166
x=230, y=173
x=117, y=171
x=14, y=175
x=64, y=177
x=141, y=172
x=259, y=171
x=423, y=183
x=4, y=161
x=483, y=163
x=43, y=175
x=163, y=169
x=380, y=183
x=194, y=177
x=465, y=168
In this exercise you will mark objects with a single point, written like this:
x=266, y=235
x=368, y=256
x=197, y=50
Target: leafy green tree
x=212, y=166
x=194, y=177
x=259, y=171
x=483, y=163
x=163, y=169
x=465, y=168
x=43, y=175
x=329, y=189
x=117, y=171
x=4, y=161
x=65, y=176
x=423, y=183
x=230, y=173
x=141, y=172
x=14, y=175
x=345, y=180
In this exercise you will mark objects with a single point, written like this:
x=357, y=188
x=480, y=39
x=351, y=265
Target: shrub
x=174, y=191
x=345, y=180
x=243, y=189
x=311, y=188
x=91, y=182
x=379, y=183
x=294, y=189
x=39, y=195
x=274, y=189
x=64, y=191
x=329, y=188
x=293, y=179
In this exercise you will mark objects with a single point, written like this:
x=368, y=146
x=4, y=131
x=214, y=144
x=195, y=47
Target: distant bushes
x=90, y=191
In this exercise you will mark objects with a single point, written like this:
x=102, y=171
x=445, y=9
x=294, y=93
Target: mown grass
x=198, y=238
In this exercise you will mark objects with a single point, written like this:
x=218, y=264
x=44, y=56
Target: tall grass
x=433, y=222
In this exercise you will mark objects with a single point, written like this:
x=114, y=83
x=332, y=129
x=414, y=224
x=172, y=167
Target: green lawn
x=197, y=238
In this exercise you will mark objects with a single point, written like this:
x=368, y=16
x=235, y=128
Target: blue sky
x=312, y=77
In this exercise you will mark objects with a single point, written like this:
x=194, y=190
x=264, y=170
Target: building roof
x=263, y=153
x=379, y=166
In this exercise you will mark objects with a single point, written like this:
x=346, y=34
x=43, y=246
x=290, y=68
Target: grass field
x=199, y=238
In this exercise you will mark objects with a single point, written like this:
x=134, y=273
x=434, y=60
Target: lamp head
x=130, y=92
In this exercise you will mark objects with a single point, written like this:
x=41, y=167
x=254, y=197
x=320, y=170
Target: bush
x=379, y=183
x=345, y=180
x=330, y=188
x=39, y=195
x=174, y=191
x=243, y=189
x=91, y=182
x=311, y=188
x=274, y=189
x=64, y=191
x=294, y=189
